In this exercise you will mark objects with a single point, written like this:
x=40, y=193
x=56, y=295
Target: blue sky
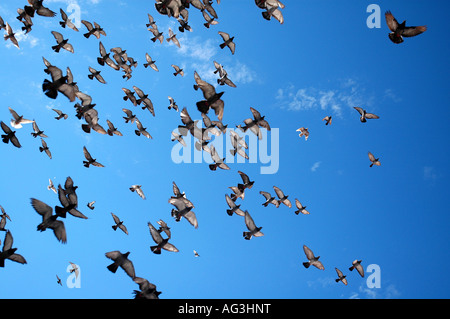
x=323, y=60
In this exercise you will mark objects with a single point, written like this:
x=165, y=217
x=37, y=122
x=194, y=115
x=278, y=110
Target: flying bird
x=61, y=115
x=138, y=190
x=90, y=205
x=122, y=261
x=212, y=99
x=3, y=216
x=66, y=22
x=327, y=120
x=58, y=280
x=273, y=11
x=227, y=42
x=255, y=123
x=300, y=208
x=51, y=186
x=356, y=264
x=246, y=182
x=303, y=132
x=44, y=148
x=150, y=62
x=233, y=207
x=156, y=34
x=10, y=35
x=105, y=59
x=161, y=243
x=312, y=260
x=95, y=30
x=35, y=6
x=59, y=83
x=184, y=25
x=173, y=104
x=74, y=269
x=218, y=162
x=164, y=228
x=282, y=198
x=89, y=160
x=373, y=160
x=144, y=100
x=129, y=95
x=147, y=289
x=364, y=115
x=173, y=37
x=179, y=138
x=209, y=20
x=37, y=132
x=178, y=70
x=341, y=277
x=253, y=230
x=151, y=21
x=141, y=130
x=112, y=129
x=49, y=221
x=400, y=30
x=96, y=74
x=130, y=116
x=269, y=199
x=17, y=120
x=183, y=210
x=196, y=254
x=10, y=253
x=9, y=136
x=119, y=224
x=237, y=193
x=61, y=43
x=69, y=205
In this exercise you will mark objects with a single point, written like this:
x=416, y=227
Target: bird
x=273, y=11
x=68, y=205
x=173, y=37
x=138, y=190
x=51, y=186
x=129, y=95
x=144, y=99
x=3, y=216
x=58, y=280
x=183, y=210
x=303, y=132
x=112, y=130
x=119, y=224
x=150, y=63
x=300, y=208
x=364, y=115
x=196, y=254
x=35, y=6
x=356, y=264
x=90, y=205
x=237, y=193
x=246, y=182
x=37, y=132
x=10, y=35
x=9, y=136
x=59, y=83
x=327, y=119
x=2, y=24
x=89, y=160
x=122, y=261
x=95, y=29
x=44, y=148
x=212, y=99
x=184, y=25
x=177, y=194
x=66, y=22
x=70, y=191
x=147, y=289
x=282, y=199
x=151, y=21
x=161, y=243
x=179, y=138
x=341, y=277
x=49, y=220
x=164, y=228
x=227, y=41
x=233, y=207
x=173, y=104
x=10, y=253
x=178, y=70
x=400, y=30
x=156, y=34
x=269, y=199
x=312, y=260
x=207, y=4
x=74, y=269
x=239, y=145
x=209, y=20
x=96, y=74
x=373, y=160
x=255, y=123
x=130, y=116
x=141, y=130
x=61, y=43
x=218, y=162
x=105, y=59
x=61, y=115
x=17, y=120
x=253, y=230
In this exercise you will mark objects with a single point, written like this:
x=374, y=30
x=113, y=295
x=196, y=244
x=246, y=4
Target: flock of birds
x=52, y=217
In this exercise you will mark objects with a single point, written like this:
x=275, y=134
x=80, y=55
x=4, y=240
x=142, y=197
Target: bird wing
x=58, y=36
x=392, y=23
x=59, y=230
x=249, y=221
x=191, y=218
x=87, y=155
x=41, y=208
x=157, y=238
x=170, y=247
x=413, y=31
x=279, y=192
x=371, y=116
x=308, y=252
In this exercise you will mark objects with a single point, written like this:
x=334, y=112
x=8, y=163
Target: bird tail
x=206, y=25
x=203, y=106
x=56, y=48
x=247, y=235
x=5, y=139
x=86, y=128
x=137, y=132
x=86, y=164
x=155, y=250
x=110, y=133
x=61, y=212
x=233, y=152
x=87, y=35
x=222, y=45
x=351, y=268
x=145, y=65
x=297, y=212
x=153, y=39
x=49, y=90
x=181, y=29
x=113, y=267
x=90, y=76
x=212, y=167
x=266, y=15
x=63, y=24
x=229, y=212
x=306, y=264
x=114, y=227
x=41, y=149
x=100, y=61
x=337, y=280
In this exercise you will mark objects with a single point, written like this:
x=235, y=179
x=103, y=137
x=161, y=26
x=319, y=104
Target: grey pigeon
x=253, y=230
x=17, y=120
x=327, y=120
x=233, y=207
x=341, y=277
x=212, y=99
x=10, y=35
x=356, y=264
x=96, y=74
x=373, y=160
x=37, y=132
x=122, y=261
x=269, y=199
x=44, y=148
x=227, y=41
x=61, y=115
x=68, y=206
x=9, y=136
x=183, y=210
x=59, y=83
x=147, y=289
x=95, y=29
x=49, y=221
x=282, y=198
x=112, y=130
x=150, y=62
x=364, y=115
x=138, y=190
x=61, y=43
x=89, y=159
x=161, y=243
x=10, y=253
x=312, y=260
x=66, y=22
x=119, y=224
x=400, y=30
x=300, y=208
x=164, y=228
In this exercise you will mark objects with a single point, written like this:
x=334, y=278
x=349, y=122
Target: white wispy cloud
x=389, y=292
x=315, y=166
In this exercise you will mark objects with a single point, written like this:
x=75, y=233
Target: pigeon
x=89, y=160
x=157, y=35
x=69, y=206
x=364, y=115
x=173, y=37
x=150, y=62
x=49, y=220
x=37, y=7
x=187, y=121
x=59, y=83
x=96, y=74
x=179, y=138
x=227, y=42
x=183, y=210
x=90, y=205
x=9, y=136
x=218, y=162
x=144, y=99
x=327, y=119
x=312, y=260
x=130, y=116
x=239, y=145
x=17, y=120
x=10, y=253
x=61, y=43
x=160, y=242
x=44, y=148
x=341, y=277
x=3, y=216
x=141, y=130
x=51, y=186
x=301, y=208
x=74, y=269
x=233, y=207
x=196, y=254
x=66, y=21
x=61, y=115
x=208, y=7
x=70, y=191
x=180, y=195
x=400, y=30
x=255, y=123
x=253, y=229
x=303, y=132
x=10, y=35
x=112, y=130
x=122, y=261
x=147, y=289
x=58, y=280
x=164, y=228
x=27, y=24
x=356, y=264
x=212, y=99
x=104, y=58
x=70, y=80
x=129, y=95
x=173, y=104
x=282, y=198
x=95, y=30
x=184, y=26
x=237, y=193
x=273, y=11
x=178, y=70
x=37, y=132
x=246, y=182
x=138, y=190
x=91, y=117
x=86, y=105
x=119, y=224
x=269, y=199
x=209, y=20
x=151, y=21
x=2, y=24
x=373, y=160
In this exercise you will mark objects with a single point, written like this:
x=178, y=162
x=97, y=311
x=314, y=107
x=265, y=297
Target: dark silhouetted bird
x=37, y=132
x=68, y=206
x=246, y=182
x=400, y=30
x=253, y=230
x=61, y=43
x=237, y=193
x=112, y=129
x=196, y=254
x=282, y=198
x=300, y=208
x=255, y=123
x=184, y=25
x=341, y=277
x=147, y=289
x=129, y=95
x=96, y=74
x=37, y=7
x=10, y=253
x=89, y=160
x=105, y=59
x=212, y=99
x=130, y=116
x=233, y=207
x=364, y=115
x=66, y=21
x=44, y=148
x=90, y=205
x=59, y=83
x=156, y=34
x=119, y=224
x=312, y=260
x=227, y=42
x=141, y=130
x=70, y=191
x=49, y=220
x=138, y=190
x=327, y=119
x=179, y=138
x=373, y=160
x=58, y=280
x=61, y=115
x=10, y=35
x=9, y=136
x=74, y=269
x=122, y=261
x=161, y=243
x=144, y=100
x=95, y=29
x=3, y=218
x=356, y=264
